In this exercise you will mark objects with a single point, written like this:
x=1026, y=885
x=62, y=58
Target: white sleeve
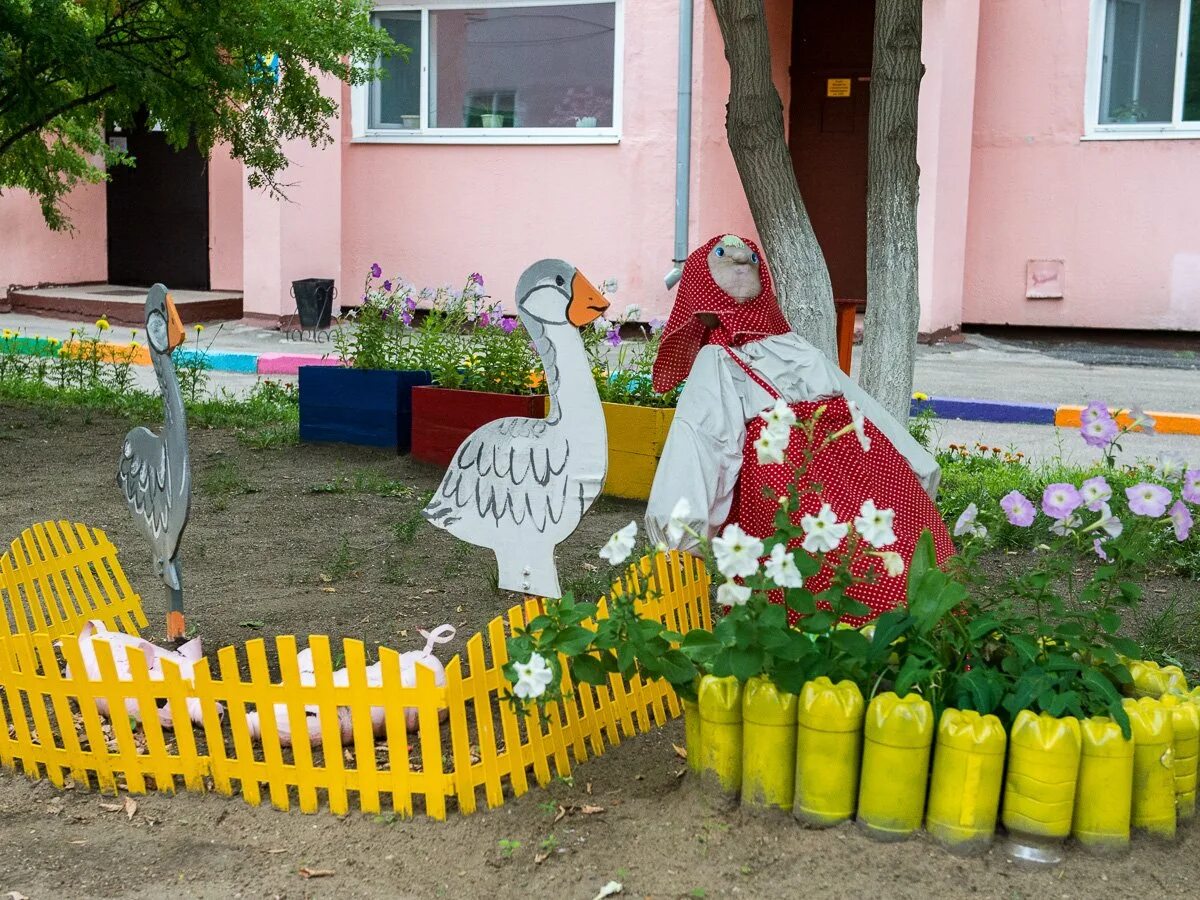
x=702, y=456
x=923, y=463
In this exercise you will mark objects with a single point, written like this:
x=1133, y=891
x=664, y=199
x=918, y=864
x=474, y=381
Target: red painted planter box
x=442, y=418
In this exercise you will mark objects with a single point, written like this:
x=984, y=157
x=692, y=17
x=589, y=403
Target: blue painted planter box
x=369, y=407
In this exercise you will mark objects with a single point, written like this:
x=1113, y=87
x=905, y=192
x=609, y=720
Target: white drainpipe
x=683, y=143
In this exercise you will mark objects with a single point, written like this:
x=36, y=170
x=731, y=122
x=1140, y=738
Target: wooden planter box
x=369, y=407
x=442, y=418
x=636, y=435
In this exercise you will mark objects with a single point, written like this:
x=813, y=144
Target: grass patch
x=342, y=564
x=364, y=481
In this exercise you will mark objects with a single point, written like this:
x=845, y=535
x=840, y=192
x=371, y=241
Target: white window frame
x=360, y=95
x=1094, y=130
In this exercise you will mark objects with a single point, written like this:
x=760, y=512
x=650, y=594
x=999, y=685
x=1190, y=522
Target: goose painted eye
x=720, y=251
x=559, y=280
x=156, y=329
x=754, y=258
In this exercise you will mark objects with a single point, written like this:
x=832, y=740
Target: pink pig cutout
x=122, y=646
x=374, y=678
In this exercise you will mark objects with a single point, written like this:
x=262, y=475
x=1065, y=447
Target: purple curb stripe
x=289, y=363
x=988, y=410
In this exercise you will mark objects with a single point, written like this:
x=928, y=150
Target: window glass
x=1191, y=85
x=396, y=98
x=1138, y=76
x=524, y=67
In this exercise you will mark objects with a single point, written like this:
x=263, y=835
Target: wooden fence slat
x=398, y=778
x=363, y=698
x=260, y=679
x=326, y=700
x=460, y=740
x=429, y=731
x=485, y=724
x=512, y=760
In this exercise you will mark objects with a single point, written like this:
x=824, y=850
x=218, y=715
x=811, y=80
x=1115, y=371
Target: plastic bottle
x=1152, y=680
x=1153, y=766
x=898, y=738
x=720, y=701
x=1039, y=785
x=828, y=750
x=691, y=733
x=968, y=771
x=1185, y=720
x=768, y=746
x=1104, y=797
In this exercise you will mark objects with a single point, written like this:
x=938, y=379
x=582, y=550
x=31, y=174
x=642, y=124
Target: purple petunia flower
x=657, y=325
x=509, y=325
x=1093, y=412
x=384, y=312
x=1181, y=518
x=485, y=319
x=376, y=270
x=476, y=278
x=1100, y=432
x=1191, y=485
x=406, y=317
x=1147, y=499
x=1099, y=548
x=1060, y=500
x=1018, y=508
x=387, y=285
x=1095, y=492
x=411, y=304
x=614, y=337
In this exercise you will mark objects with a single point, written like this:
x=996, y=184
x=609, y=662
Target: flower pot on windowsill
x=493, y=120
x=368, y=407
x=442, y=418
x=636, y=435
x=412, y=122
x=586, y=122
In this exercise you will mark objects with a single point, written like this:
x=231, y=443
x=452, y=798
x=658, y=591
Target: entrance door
x=831, y=83
x=158, y=214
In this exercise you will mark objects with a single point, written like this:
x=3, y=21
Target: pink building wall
x=224, y=221
x=433, y=213
x=30, y=253
x=1120, y=214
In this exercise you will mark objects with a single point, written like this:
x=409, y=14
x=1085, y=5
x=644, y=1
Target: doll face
x=734, y=267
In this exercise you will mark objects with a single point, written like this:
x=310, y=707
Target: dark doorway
x=158, y=214
x=831, y=86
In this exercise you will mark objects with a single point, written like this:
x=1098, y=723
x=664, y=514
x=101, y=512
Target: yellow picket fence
x=468, y=740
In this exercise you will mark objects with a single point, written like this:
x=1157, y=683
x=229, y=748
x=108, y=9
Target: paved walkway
x=980, y=368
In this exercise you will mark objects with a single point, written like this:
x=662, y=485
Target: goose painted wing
x=144, y=476
x=509, y=472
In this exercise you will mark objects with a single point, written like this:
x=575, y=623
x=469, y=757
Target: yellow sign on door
x=837, y=87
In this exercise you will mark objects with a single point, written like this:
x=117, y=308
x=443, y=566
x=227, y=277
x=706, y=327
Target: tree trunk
x=754, y=123
x=893, y=306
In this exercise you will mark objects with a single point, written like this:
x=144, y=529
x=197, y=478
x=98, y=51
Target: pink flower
x=1093, y=412
x=509, y=325
x=1181, y=518
x=1147, y=499
x=1018, y=508
x=1099, y=548
x=1099, y=432
x=1095, y=492
x=1060, y=500
x=376, y=270
x=486, y=319
x=1191, y=485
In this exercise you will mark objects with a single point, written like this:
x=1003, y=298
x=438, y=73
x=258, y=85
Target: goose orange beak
x=175, y=333
x=587, y=303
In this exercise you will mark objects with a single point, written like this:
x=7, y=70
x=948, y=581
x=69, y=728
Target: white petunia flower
x=737, y=553
x=1067, y=526
x=823, y=532
x=733, y=594
x=620, y=545
x=533, y=677
x=893, y=563
x=781, y=568
x=779, y=418
x=678, y=522
x=860, y=425
x=875, y=525
x=1108, y=522
x=770, y=447
x=966, y=523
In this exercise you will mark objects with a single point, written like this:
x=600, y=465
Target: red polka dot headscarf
x=740, y=323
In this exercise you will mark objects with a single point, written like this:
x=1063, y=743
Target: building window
x=1144, y=72
x=516, y=72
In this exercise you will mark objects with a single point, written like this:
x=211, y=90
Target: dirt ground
x=322, y=540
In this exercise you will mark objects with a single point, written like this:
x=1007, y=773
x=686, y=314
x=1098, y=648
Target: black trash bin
x=314, y=301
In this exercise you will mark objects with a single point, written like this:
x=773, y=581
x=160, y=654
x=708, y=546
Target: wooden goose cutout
x=520, y=486
x=154, y=472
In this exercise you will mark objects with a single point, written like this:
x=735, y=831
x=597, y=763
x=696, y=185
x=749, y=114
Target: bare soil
x=279, y=544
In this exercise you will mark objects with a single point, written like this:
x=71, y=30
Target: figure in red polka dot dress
x=728, y=338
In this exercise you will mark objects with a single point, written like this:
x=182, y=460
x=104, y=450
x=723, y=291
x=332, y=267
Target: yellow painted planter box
x=636, y=435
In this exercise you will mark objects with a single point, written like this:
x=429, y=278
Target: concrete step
x=121, y=304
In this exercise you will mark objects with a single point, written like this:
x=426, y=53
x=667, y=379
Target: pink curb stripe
x=290, y=363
